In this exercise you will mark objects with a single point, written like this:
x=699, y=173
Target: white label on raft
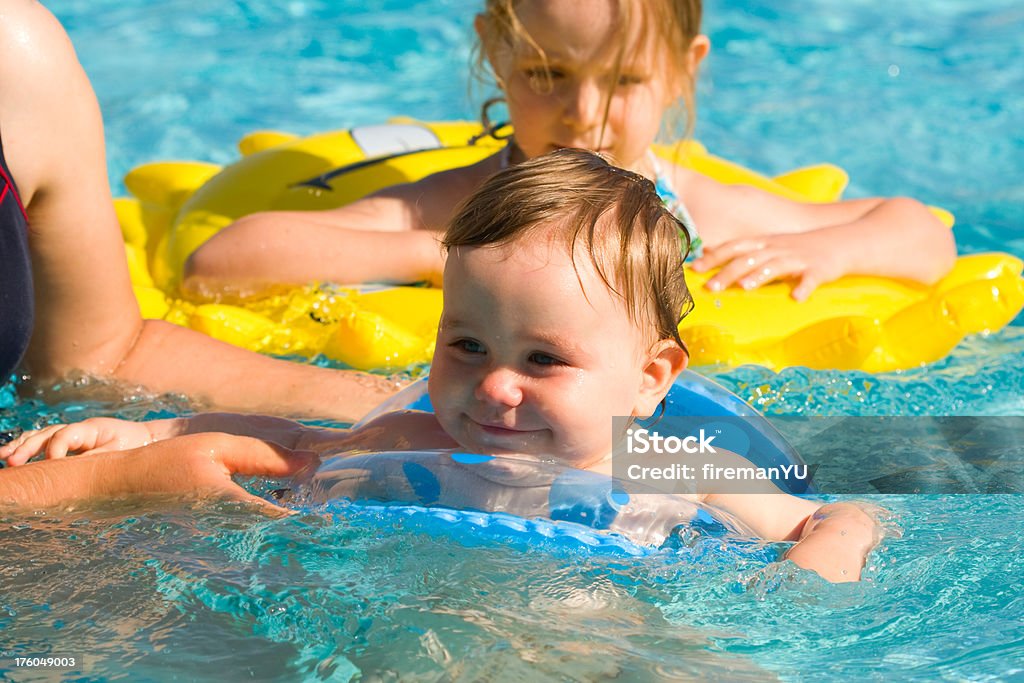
x=390, y=138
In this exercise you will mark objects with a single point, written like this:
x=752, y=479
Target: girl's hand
x=809, y=258
x=95, y=435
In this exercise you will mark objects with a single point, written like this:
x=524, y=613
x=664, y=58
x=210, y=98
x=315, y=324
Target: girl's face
x=535, y=356
x=567, y=108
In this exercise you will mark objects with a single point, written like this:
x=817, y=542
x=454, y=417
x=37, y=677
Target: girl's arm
x=386, y=237
x=299, y=247
x=86, y=318
x=757, y=237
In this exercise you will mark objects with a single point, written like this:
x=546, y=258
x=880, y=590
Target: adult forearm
x=167, y=358
x=49, y=483
x=187, y=466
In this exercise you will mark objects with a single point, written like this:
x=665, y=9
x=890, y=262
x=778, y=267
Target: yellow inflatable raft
x=864, y=323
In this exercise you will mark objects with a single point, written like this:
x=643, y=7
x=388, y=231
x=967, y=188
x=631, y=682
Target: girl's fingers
x=809, y=282
x=772, y=270
x=739, y=267
x=727, y=252
x=259, y=458
x=265, y=506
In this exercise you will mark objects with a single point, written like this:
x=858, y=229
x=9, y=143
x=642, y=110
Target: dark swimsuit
x=17, y=303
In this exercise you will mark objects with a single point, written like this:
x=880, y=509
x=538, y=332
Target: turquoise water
x=924, y=99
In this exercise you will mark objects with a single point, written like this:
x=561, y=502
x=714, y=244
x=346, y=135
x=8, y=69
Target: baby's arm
x=835, y=541
x=757, y=237
x=100, y=434
x=398, y=430
x=832, y=540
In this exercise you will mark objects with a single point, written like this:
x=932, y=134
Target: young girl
x=605, y=75
x=563, y=293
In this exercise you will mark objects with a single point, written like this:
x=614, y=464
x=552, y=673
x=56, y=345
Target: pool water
x=920, y=99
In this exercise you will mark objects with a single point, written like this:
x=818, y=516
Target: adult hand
x=196, y=465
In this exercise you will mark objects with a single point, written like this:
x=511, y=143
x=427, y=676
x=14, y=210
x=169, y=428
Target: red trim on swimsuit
x=10, y=186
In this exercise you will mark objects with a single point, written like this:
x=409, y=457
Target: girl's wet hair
x=612, y=215
x=673, y=24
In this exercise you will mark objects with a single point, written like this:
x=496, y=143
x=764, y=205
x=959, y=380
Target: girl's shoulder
x=434, y=197
x=670, y=176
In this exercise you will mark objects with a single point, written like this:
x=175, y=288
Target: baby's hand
x=751, y=262
x=94, y=435
x=836, y=540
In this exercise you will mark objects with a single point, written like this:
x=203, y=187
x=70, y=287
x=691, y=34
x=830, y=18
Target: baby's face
x=534, y=356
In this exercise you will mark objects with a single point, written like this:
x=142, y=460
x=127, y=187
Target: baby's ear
x=666, y=360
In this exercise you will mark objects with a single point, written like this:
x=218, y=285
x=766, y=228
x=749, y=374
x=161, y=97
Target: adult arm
x=87, y=318
x=199, y=465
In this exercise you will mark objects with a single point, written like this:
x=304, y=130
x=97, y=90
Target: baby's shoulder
x=402, y=430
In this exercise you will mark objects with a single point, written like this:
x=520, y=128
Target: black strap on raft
x=321, y=182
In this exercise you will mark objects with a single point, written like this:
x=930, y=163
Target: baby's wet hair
x=613, y=215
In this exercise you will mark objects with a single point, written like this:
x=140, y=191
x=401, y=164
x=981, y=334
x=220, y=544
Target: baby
x=563, y=291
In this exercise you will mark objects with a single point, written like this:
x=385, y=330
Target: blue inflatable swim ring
x=699, y=545
x=744, y=430
x=581, y=506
